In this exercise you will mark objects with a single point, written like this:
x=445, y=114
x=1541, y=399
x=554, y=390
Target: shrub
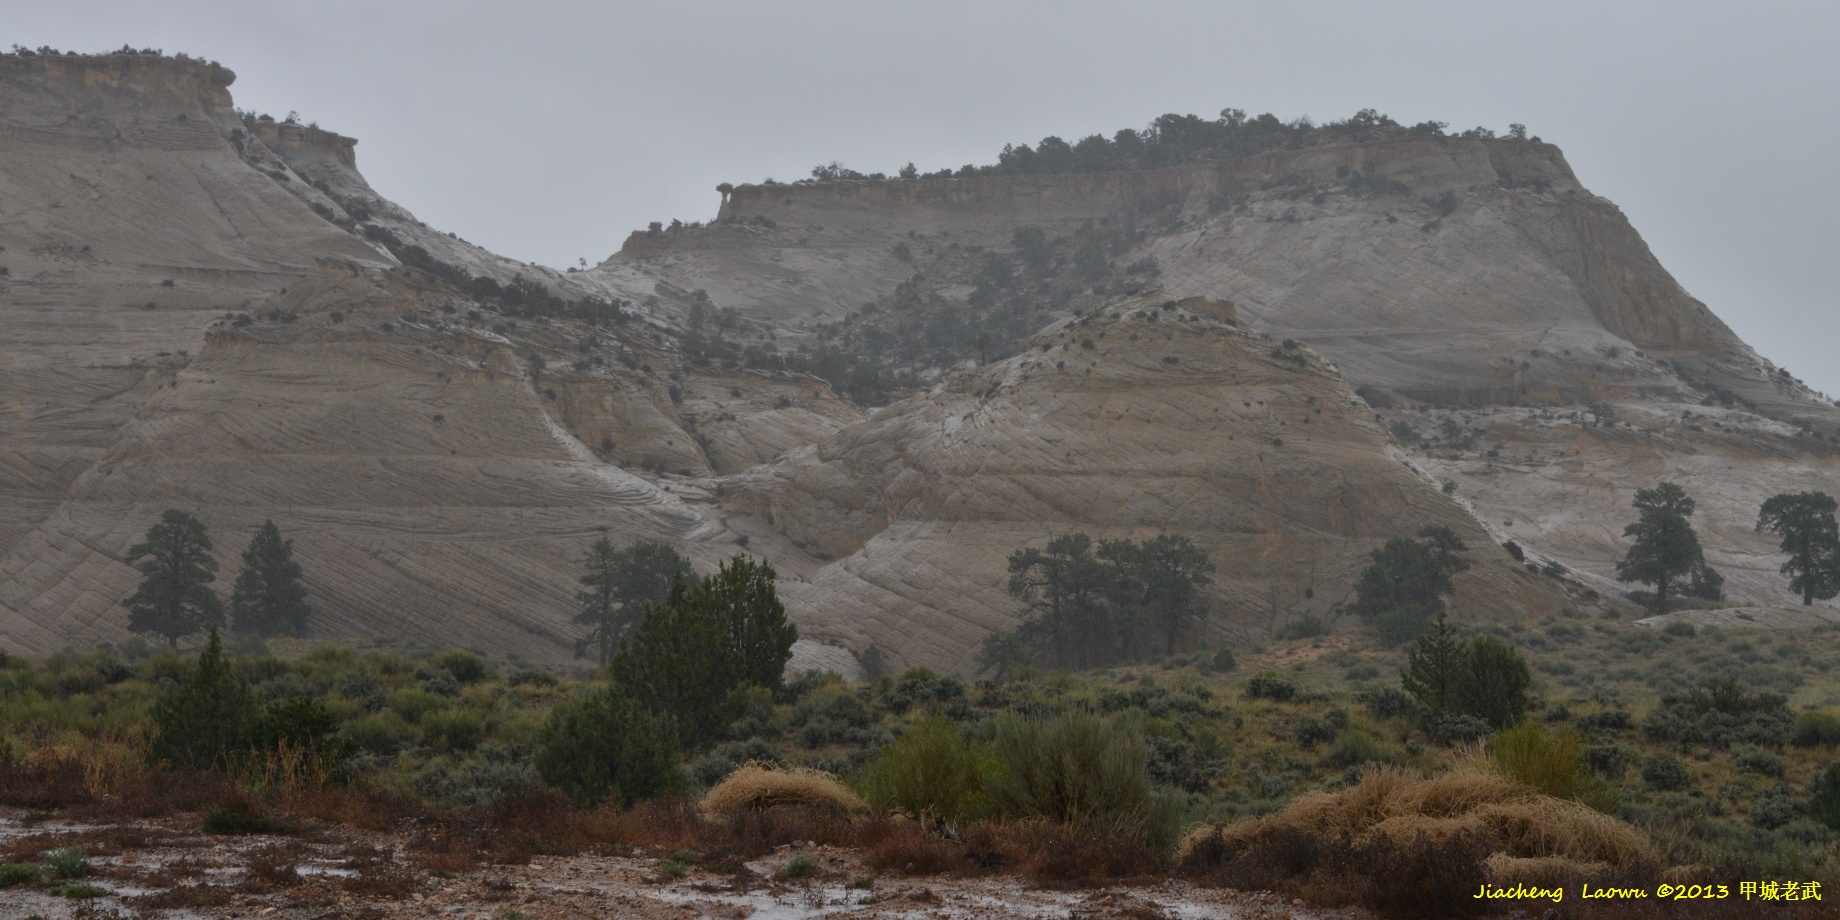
x=1306, y=627
x=1386, y=702
x=69, y=862
x=602, y=745
x=1758, y=761
x=1824, y=797
x=379, y=732
x=496, y=773
x=799, y=867
x=1354, y=748
x=1720, y=714
x=1665, y=774
x=1609, y=760
x=1817, y=728
x=12, y=874
x=466, y=667
x=1270, y=686
x=1082, y=769
x=934, y=771
x=1552, y=762
x=457, y=729
x=830, y=716
x=1775, y=809
x=1680, y=629
x=239, y=817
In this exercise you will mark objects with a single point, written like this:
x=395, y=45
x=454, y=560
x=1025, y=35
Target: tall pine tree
x=175, y=597
x=1665, y=548
x=617, y=587
x=269, y=598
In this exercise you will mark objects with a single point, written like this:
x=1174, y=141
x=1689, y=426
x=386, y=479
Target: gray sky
x=547, y=131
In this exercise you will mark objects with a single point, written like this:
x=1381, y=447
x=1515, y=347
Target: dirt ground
x=170, y=869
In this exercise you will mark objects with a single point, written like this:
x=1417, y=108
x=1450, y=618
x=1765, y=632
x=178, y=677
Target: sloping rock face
x=1147, y=416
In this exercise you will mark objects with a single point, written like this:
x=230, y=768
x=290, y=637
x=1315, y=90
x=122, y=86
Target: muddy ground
x=169, y=868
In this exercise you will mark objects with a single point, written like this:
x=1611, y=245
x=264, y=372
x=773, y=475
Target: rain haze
x=548, y=131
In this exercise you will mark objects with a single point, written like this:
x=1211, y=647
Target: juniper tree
x=1665, y=548
x=691, y=654
x=206, y=716
x=1805, y=521
x=268, y=598
x=175, y=598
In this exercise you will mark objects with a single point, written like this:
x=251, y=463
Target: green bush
x=69, y=862
x=1270, y=686
x=497, y=772
x=799, y=867
x=238, y=818
x=1824, y=797
x=1609, y=760
x=457, y=729
x=933, y=771
x=1817, y=728
x=1354, y=747
x=415, y=703
x=1759, y=761
x=466, y=667
x=602, y=745
x=1081, y=769
x=1665, y=774
x=1720, y=714
x=12, y=874
x=1223, y=660
x=1553, y=762
x=379, y=732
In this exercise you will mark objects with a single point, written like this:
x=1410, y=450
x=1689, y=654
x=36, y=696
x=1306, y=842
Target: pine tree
x=1665, y=548
x=175, y=598
x=618, y=586
x=1434, y=672
x=1805, y=521
x=1495, y=680
x=268, y=598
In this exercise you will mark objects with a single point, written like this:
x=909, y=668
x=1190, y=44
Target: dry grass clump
x=1504, y=830
x=1385, y=803
x=755, y=787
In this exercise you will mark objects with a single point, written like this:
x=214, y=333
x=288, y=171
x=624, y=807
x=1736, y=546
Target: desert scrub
x=933, y=771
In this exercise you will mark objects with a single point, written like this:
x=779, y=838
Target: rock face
x=1148, y=416
x=212, y=313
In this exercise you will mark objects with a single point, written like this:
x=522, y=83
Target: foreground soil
x=168, y=868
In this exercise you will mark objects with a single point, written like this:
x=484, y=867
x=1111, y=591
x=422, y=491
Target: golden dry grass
x=1541, y=871
x=1518, y=823
x=756, y=786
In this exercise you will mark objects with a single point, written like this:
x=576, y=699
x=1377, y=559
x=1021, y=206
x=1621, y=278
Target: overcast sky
x=547, y=131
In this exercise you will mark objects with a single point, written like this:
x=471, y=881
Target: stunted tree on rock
x=175, y=597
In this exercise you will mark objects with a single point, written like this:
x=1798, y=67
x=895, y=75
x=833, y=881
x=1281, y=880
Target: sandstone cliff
x=208, y=312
